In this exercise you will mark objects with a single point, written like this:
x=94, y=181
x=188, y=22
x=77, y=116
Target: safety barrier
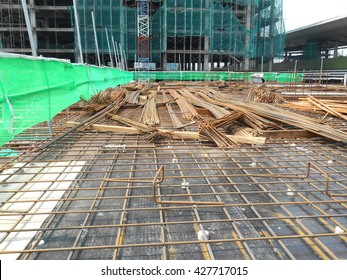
x=217, y=76
x=33, y=90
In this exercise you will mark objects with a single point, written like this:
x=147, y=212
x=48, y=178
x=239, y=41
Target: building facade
x=196, y=35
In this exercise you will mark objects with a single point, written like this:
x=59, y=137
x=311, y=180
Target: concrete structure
x=317, y=50
x=52, y=27
x=183, y=35
x=315, y=41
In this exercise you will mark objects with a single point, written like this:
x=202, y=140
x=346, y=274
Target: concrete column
x=207, y=38
x=336, y=49
x=164, y=61
x=32, y=13
x=206, y=55
x=248, y=38
x=272, y=14
x=28, y=23
x=200, y=62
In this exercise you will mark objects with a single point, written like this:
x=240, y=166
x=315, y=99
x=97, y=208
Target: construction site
x=165, y=141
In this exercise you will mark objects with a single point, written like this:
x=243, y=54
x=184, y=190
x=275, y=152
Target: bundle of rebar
x=326, y=108
x=227, y=120
x=306, y=105
x=133, y=97
x=157, y=135
x=149, y=113
x=165, y=99
x=245, y=132
x=175, y=120
x=215, y=110
x=211, y=133
x=271, y=112
x=281, y=115
x=108, y=96
x=188, y=111
x=264, y=95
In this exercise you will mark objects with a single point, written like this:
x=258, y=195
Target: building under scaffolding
x=52, y=28
x=183, y=34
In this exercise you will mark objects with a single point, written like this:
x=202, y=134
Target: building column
x=207, y=38
x=248, y=37
x=206, y=55
x=32, y=13
x=164, y=66
x=336, y=48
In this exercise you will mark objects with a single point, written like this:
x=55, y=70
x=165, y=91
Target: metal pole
x=125, y=60
x=321, y=70
x=115, y=53
x=29, y=28
x=109, y=48
x=296, y=66
x=121, y=56
x=262, y=64
x=79, y=44
x=50, y=127
x=96, y=40
x=118, y=57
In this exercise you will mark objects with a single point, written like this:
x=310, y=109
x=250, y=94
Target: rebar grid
x=89, y=196
x=93, y=218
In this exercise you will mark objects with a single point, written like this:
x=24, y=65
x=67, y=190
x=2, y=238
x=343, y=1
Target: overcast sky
x=298, y=13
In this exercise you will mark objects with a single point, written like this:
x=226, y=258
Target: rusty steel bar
x=172, y=243
x=255, y=204
x=149, y=224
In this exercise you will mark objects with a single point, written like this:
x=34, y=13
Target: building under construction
x=168, y=35
x=188, y=165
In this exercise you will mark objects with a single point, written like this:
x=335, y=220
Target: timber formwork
x=89, y=195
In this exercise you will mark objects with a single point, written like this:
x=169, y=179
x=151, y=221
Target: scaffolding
x=52, y=28
x=189, y=34
x=13, y=33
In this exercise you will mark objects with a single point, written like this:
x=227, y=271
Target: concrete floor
x=60, y=204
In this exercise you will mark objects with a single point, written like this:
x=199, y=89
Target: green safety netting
x=217, y=76
x=35, y=90
x=174, y=23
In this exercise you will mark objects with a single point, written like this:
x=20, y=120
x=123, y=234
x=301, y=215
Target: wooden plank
x=288, y=134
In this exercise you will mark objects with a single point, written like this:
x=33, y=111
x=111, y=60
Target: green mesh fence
x=218, y=76
x=32, y=91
